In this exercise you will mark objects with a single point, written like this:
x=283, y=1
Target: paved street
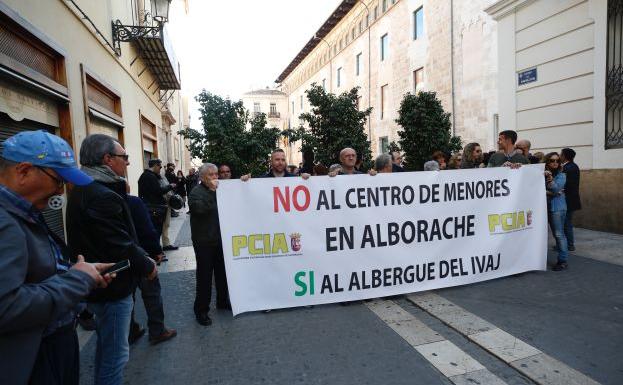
x=543, y=327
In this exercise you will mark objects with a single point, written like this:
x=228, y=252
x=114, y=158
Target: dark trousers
x=569, y=228
x=210, y=261
x=58, y=360
x=158, y=224
x=152, y=299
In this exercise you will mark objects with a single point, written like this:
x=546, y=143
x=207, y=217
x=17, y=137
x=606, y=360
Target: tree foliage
x=426, y=128
x=333, y=123
x=225, y=137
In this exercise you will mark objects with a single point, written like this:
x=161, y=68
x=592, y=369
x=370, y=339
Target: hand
x=305, y=176
x=174, y=185
x=154, y=273
x=245, y=177
x=213, y=184
x=94, y=271
x=158, y=258
x=372, y=172
x=332, y=174
x=515, y=166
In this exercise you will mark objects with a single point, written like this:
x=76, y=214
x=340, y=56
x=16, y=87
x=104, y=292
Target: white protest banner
x=292, y=242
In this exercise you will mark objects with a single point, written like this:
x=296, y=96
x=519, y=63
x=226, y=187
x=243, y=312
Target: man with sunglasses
x=100, y=226
x=40, y=289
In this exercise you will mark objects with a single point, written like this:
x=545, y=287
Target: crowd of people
x=116, y=240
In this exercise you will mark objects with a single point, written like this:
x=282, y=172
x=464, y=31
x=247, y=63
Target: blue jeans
x=113, y=351
x=569, y=228
x=558, y=220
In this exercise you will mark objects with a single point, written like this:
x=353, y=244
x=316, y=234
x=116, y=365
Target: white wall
x=565, y=40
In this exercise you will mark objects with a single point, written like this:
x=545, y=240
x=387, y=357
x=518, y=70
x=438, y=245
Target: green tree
x=225, y=137
x=333, y=123
x=426, y=128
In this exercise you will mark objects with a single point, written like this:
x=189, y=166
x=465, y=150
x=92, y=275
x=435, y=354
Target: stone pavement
x=573, y=318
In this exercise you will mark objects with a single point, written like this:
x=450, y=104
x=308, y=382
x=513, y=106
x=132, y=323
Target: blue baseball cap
x=43, y=149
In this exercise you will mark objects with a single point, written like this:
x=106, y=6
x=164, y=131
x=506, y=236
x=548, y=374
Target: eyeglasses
x=124, y=156
x=59, y=182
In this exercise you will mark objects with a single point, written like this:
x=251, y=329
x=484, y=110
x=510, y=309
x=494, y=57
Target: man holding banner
x=206, y=237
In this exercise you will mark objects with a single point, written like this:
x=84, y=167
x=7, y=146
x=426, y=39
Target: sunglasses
x=59, y=182
x=124, y=156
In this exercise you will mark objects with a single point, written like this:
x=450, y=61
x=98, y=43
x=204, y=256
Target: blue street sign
x=527, y=76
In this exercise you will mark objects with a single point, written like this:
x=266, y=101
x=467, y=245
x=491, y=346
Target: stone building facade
x=388, y=48
x=274, y=104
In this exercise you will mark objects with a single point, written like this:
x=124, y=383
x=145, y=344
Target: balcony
x=274, y=115
x=154, y=46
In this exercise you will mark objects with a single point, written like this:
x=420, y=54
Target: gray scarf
x=102, y=174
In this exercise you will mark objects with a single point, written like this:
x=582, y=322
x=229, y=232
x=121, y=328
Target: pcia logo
x=265, y=244
x=510, y=222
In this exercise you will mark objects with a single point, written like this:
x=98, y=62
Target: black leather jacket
x=150, y=190
x=100, y=227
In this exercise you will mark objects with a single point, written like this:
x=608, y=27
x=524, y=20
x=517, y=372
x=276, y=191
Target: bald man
x=524, y=146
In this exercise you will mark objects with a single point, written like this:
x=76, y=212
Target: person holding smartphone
x=40, y=289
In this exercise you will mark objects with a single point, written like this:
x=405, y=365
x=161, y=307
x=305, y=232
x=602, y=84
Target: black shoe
x=571, y=248
x=135, y=335
x=224, y=306
x=87, y=324
x=166, y=335
x=560, y=266
x=203, y=319
x=170, y=247
x=164, y=259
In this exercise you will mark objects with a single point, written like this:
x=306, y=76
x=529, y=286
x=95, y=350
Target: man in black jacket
x=151, y=190
x=169, y=174
x=206, y=236
x=100, y=227
x=397, y=161
x=572, y=192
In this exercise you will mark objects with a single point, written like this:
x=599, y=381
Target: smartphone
x=117, y=267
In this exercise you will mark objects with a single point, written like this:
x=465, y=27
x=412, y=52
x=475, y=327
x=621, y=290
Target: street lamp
x=160, y=10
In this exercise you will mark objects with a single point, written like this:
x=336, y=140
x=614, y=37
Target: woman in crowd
x=440, y=158
x=455, y=161
x=540, y=156
x=180, y=189
x=472, y=156
x=556, y=205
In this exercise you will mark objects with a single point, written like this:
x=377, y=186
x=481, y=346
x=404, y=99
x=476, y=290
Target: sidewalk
x=597, y=245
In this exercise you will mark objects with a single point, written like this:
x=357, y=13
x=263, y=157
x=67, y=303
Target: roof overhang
x=337, y=16
x=157, y=53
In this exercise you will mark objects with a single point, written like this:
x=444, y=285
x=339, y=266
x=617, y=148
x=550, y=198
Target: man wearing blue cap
x=40, y=289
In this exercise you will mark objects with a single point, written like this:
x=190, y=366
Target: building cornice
x=342, y=10
x=504, y=8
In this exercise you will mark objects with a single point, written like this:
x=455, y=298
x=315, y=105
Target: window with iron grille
x=614, y=77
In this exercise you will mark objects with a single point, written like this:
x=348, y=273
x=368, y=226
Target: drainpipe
x=452, y=65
